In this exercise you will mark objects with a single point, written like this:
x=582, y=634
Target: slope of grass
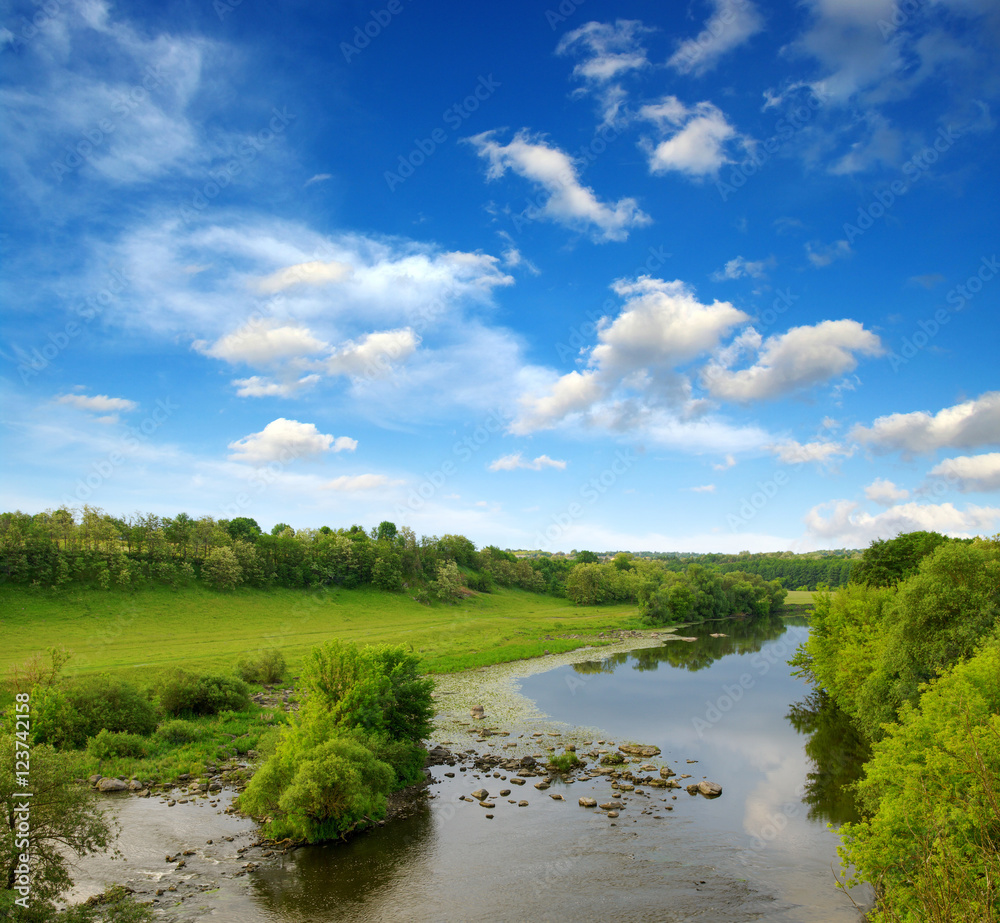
x=143, y=635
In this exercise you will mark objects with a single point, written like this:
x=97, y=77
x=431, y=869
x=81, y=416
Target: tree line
x=910, y=650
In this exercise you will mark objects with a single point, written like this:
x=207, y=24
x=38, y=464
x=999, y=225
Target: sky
x=711, y=276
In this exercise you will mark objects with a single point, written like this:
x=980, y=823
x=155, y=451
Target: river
x=724, y=708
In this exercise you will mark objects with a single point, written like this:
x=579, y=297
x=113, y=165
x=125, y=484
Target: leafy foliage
x=887, y=562
x=267, y=667
x=192, y=694
x=108, y=745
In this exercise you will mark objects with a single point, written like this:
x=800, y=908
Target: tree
x=887, y=562
x=61, y=816
x=281, y=527
x=243, y=528
x=386, y=531
x=586, y=557
x=222, y=569
x=448, y=582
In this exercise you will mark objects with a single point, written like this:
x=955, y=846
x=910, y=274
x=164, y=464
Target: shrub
x=565, y=762
x=317, y=790
x=189, y=693
x=67, y=717
x=108, y=745
x=267, y=667
x=177, y=732
x=221, y=569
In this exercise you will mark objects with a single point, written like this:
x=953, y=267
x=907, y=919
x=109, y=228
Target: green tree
x=222, y=570
x=448, y=580
x=62, y=818
x=887, y=562
x=243, y=528
x=386, y=531
x=281, y=527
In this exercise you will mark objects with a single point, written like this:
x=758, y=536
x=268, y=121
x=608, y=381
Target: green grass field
x=144, y=634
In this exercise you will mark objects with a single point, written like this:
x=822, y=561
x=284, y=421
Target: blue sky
x=709, y=276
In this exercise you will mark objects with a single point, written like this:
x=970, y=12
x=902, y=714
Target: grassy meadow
x=141, y=635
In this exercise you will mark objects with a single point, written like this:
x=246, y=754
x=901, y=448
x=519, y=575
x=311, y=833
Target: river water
x=723, y=708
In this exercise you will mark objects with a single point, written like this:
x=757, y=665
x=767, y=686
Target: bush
x=177, y=732
x=68, y=716
x=108, y=745
x=317, y=789
x=267, y=667
x=565, y=762
x=188, y=693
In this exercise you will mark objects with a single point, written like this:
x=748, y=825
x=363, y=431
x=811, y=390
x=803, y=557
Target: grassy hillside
x=150, y=632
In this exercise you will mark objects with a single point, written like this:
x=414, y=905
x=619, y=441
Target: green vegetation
x=564, y=762
x=356, y=738
x=912, y=655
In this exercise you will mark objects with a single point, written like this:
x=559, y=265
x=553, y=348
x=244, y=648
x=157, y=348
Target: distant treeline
x=91, y=547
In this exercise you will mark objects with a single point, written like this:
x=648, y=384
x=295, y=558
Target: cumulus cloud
x=695, y=140
x=357, y=482
x=262, y=343
x=552, y=170
x=703, y=489
x=661, y=326
x=97, y=403
x=738, y=267
x=514, y=461
x=971, y=472
x=968, y=425
x=791, y=452
x=841, y=523
x=792, y=361
x=885, y=493
x=728, y=462
x=283, y=440
x=372, y=355
x=314, y=272
x=732, y=23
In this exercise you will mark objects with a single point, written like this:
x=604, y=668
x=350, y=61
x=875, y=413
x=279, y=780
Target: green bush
x=317, y=789
x=190, y=694
x=109, y=745
x=564, y=762
x=267, y=667
x=177, y=732
x=68, y=716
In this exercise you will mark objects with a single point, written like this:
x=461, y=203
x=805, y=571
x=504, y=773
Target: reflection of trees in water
x=743, y=636
x=838, y=753
x=344, y=881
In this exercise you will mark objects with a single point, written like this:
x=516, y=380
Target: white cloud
x=738, y=267
x=608, y=50
x=661, y=326
x=791, y=452
x=514, y=461
x=262, y=343
x=885, y=493
x=728, y=462
x=968, y=425
x=260, y=386
x=821, y=255
x=358, y=482
x=732, y=23
x=971, y=472
x=567, y=202
x=97, y=403
x=318, y=178
x=372, y=355
x=313, y=272
x=792, y=361
x=840, y=523
x=282, y=440
x=697, y=138
x=703, y=489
